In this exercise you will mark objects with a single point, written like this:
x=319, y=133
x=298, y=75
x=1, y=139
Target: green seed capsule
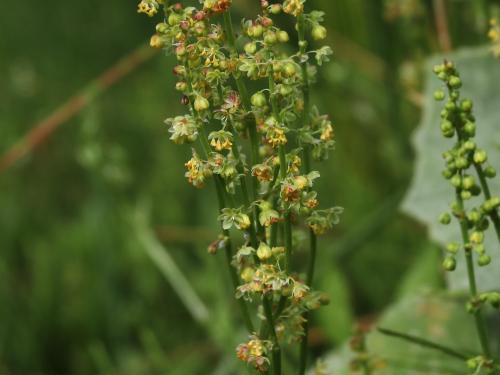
x=490, y=172
x=174, y=19
x=283, y=36
x=449, y=264
x=289, y=70
x=439, y=95
x=468, y=182
x=275, y=9
x=455, y=82
x=446, y=126
x=470, y=129
x=445, y=218
x=270, y=37
x=453, y=247
x=318, y=32
x=466, y=105
x=201, y=104
x=258, y=100
x=466, y=195
x=484, y=260
x=456, y=181
x=250, y=48
x=469, y=145
x=480, y=156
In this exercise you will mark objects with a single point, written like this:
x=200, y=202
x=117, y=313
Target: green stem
x=222, y=200
x=478, y=316
x=250, y=120
x=301, y=26
x=425, y=343
x=495, y=219
x=276, y=346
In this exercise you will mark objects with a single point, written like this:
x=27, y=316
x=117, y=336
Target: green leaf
x=429, y=194
x=434, y=317
x=424, y=275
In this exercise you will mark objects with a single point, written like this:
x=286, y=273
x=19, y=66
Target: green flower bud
x=455, y=82
x=480, y=249
x=258, y=100
x=201, y=104
x=447, y=173
x=450, y=106
x=247, y=274
x=491, y=204
x=442, y=76
x=318, y=32
x=480, y=156
x=476, y=237
x=474, y=216
x=289, y=70
x=494, y=299
x=470, y=129
x=181, y=86
x=438, y=68
x=468, y=182
x=445, y=218
x=439, y=95
x=275, y=9
x=250, y=48
x=490, y=172
x=466, y=195
x=302, y=44
x=270, y=37
x=456, y=181
x=469, y=145
x=449, y=264
x=283, y=36
x=446, y=126
x=174, y=19
x=466, y=105
x=161, y=28
x=484, y=260
x=462, y=163
x=264, y=252
x=453, y=247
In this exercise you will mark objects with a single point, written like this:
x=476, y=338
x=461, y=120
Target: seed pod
x=484, y=260
x=283, y=36
x=201, y=104
x=318, y=32
x=250, y=48
x=449, y=264
x=439, y=95
x=258, y=100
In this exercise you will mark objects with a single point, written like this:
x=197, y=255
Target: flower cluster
x=257, y=147
x=457, y=119
x=494, y=35
x=255, y=353
x=467, y=170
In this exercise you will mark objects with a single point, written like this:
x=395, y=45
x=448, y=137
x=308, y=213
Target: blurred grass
x=78, y=294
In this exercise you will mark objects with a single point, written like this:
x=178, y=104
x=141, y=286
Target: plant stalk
x=478, y=316
x=495, y=219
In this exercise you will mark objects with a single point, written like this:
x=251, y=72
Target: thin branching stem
x=424, y=343
x=495, y=219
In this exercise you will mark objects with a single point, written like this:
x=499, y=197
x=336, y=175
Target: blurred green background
x=100, y=233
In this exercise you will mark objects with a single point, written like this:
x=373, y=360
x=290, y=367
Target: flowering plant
x=257, y=148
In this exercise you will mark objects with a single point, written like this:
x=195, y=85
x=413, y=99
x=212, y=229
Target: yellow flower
x=149, y=7
x=156, y=41
x=293, y=7
x=327, y=133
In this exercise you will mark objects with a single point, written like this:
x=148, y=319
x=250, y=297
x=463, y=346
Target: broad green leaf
x=430, y=194
x=424, y=275
x=437, y=318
